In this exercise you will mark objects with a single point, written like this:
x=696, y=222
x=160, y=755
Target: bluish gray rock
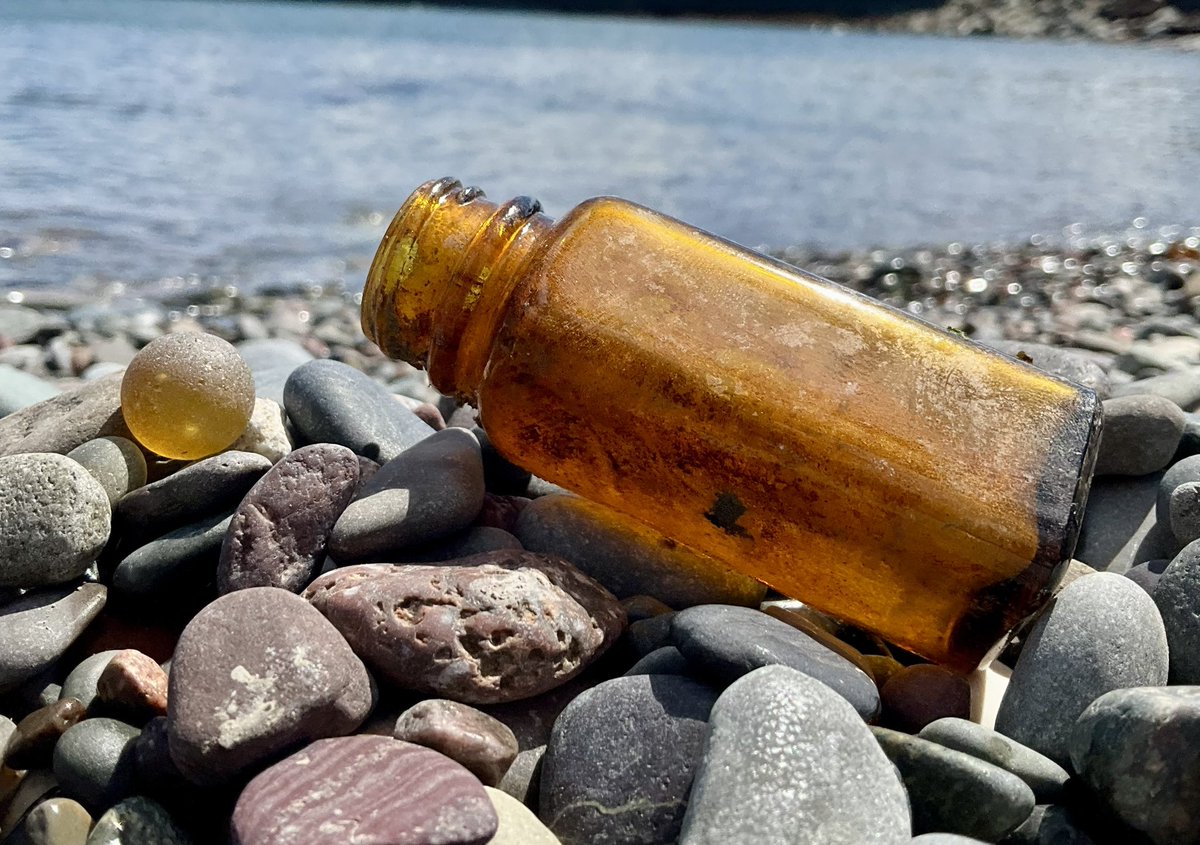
x=271, y=362
x=1137, y=749
x=1102, y=633
x=176, y=571
x=661, y=661
x=137, y=821
x=1185, y=512
x=952, y=792
x=54, y=520
x=628, y=558
x=39, y=626
x=19, y=389
x=1046, y=778
x=116, y=462
x=93, y=761
x=787, y=761
x=431, y=490
x=1177, y=596
x=1120, y=527
x=722, y=643
x=1141, y=433
x=80, y=683
x=331, y=402
x=1182, y=387
x=61, y=423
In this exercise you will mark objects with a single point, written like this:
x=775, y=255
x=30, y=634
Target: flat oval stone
x=1046, y=778
x=723, y=643
x=39, y=626
x=280, y=530
x=788, y=760
x=54, y=520
x=659, y=721
x=1177, y=596
x=485, y=746
x=93, y=761
x=494, y=627
x=366, y=789
x=1137, y=749
x=31, y=745
x=203, y=489
x=1102, y=633
x=331, y=402
x=1141, y=433
x=137, y=821
x=175, y=571
x=917, y=695
x=629, y=558
x=952, y=792
x=55, y=821
x=116, y=462
x=517, y=823
x=256, y=672
x=429, y=491
x=61, y=423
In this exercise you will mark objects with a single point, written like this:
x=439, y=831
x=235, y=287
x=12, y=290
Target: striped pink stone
x=366, y=790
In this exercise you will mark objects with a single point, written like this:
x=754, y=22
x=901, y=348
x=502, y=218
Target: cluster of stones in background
x=526, y=668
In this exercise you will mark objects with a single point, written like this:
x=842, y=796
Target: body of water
x=264, y=143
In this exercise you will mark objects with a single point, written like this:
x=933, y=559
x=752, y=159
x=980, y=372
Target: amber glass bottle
x=845, y=453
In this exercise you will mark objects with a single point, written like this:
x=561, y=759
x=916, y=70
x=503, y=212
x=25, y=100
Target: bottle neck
x=440, y=282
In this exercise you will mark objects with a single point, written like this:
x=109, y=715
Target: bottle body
x=842, y=452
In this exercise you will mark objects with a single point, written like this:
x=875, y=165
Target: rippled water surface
x=265, y=143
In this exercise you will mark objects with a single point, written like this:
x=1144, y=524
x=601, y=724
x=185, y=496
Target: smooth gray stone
x=137, y=821
x=1137, y=750
x=61, y=423
x=952, y=792
x=788, y=761
x=177, y=569
x=1179, y=473
x=93, y=761
x=1181, y=387
x=116, y=462
x=473, y=540
x=1046, y=778
x=38, y=627
x=54, y=520
x=1185, y=512
x=430, y=491
x=661, y=661
x=1066, y=363
x=1119, y=524
x=80, y=683
x=1102, y=633
x=629, y=560
x=208, y=487
x=271, y=361
x=722, y=643
x=331, y=402
x=650, y=634
x=1140, y=435
x=1050, y=824
x=1177, y=596
x=661, y=721
x=55, y=821
x=19, y=389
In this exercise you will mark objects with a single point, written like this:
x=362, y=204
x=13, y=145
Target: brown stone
x=32, y=743
x=133, y=683
x=501, y=511
x=492, y=627
x=482, y=744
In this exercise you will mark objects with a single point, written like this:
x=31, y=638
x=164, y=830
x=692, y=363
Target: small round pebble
x=1046, y=778
x=56, y=821
x=93, y=761
x=1141, y=433
x=31, y=745
x=1177, y=596
x=137, y=821
x=116, y=462
x=485, y=746
x=187, y=395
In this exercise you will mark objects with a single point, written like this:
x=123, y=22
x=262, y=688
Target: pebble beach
x=360, y=623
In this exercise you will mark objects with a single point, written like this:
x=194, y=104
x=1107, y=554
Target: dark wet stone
x=154, y=769
x=137, y=821
x=81, y=681
x=952, y=792
x=1141, y=433
x=175, y=571
x=116, y=462
x=661, y=661
x=484, y=745
x=723, y=643
x=66, y=421
x=503, y=476
x=93, y=761
x=1102, y=633
x=501, y=511
x=1050, y=824
x=331, y=402
x=387, y=791
x=54, y=520
x=256, y=672
x=1046, y=778
x=629, y=558
x=642, y=607
x=917, y=695
x=38, y=627
x=787, y=761
x=659, y=721
x=279, y=532
x=1177, y=596
x=198, y=491
x=1136, y=749
x=649, y=634
x=430, y=491
x=55, y=821
x=494, y=627
x=31, y=746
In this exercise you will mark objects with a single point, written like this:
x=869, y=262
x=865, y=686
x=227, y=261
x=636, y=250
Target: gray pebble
x=38, y=627
x=661, y=661
x=1178, y=474
x=21, y=324
x=93, y=761
x=1046, y=778
x=945, y=839
x=175, y=571
x=1102, y=633
x=431, y=490
x=116, y=462
x=1182, y=387
x=137, y=821
x=1120, y=527
x=19, y=389
x=271, y=361
x=787, y=761
x=80, y=683
x=473, y=540
x=54, y=520
x=1185, y=512
x=63, y=422
x=649, y=635
x=1177, y=596
x=331, y=402
x=1140, y=435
